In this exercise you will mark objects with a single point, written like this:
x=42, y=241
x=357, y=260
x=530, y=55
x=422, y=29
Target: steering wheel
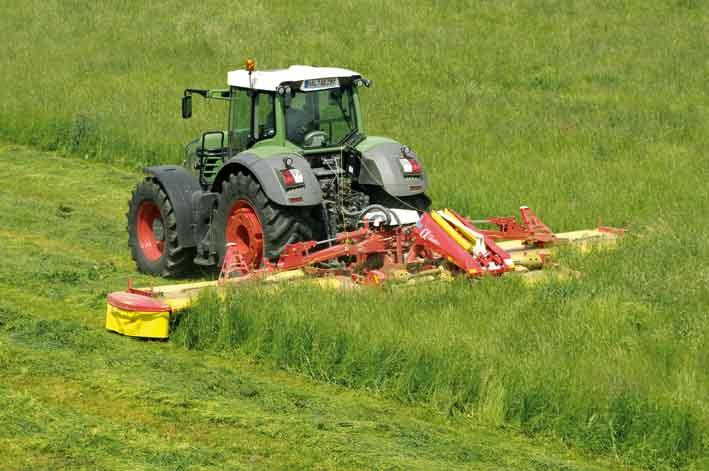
x=315, y=138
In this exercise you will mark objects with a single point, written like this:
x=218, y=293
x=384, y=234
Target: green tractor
x=294, y=164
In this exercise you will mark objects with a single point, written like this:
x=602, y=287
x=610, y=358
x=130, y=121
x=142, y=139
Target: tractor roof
x=270, y=79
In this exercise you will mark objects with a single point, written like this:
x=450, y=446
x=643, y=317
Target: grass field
x=580, y=109
x=73, y=396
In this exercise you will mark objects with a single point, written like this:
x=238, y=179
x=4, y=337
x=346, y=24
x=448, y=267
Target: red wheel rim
x=243, y=228
x=151, y=230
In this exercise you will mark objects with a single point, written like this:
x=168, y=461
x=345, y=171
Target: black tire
x=281, y=225
x=168, y=258
x=420, y=202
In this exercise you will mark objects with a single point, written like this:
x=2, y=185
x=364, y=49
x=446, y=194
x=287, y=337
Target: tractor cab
x=302, y=106
x=308, y=110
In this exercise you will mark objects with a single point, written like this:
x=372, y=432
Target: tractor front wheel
x=152, y=233
x=258, y=227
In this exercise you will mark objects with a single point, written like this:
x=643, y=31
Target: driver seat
x=297, y=124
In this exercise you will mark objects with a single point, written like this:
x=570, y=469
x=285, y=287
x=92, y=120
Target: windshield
x=320, y=118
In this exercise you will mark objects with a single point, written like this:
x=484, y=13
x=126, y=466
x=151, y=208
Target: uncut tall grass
x=603, y=362
x=588, y=111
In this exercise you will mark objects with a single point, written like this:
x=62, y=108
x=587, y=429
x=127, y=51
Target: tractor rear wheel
x=257, y=226
x=152, y=233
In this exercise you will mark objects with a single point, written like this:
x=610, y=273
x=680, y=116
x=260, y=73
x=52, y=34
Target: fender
x=179, y=184
x=380, y=167
x=266, y=171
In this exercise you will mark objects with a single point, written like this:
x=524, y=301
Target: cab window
x=239, y=119
x=264, y=116
x=320, y=118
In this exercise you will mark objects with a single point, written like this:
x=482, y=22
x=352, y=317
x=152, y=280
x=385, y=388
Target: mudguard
x=267, y=171
x=380, y=167
x=179, y=184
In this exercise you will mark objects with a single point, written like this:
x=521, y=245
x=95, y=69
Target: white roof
x=271, y=79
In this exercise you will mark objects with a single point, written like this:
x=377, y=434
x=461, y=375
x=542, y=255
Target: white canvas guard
x=405, y=216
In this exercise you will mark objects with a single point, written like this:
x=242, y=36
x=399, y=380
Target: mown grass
x=584, y=110
x=77, y=398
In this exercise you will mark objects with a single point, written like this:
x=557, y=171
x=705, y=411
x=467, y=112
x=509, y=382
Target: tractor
x=293, y=164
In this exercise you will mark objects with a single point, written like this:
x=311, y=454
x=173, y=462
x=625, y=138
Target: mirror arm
x=190, y=91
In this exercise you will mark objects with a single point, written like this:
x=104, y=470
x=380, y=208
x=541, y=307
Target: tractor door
x=239, y=120
x=252, y=118
x=264, y=116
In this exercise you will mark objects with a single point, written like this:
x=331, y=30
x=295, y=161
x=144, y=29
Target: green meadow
x=587, y=111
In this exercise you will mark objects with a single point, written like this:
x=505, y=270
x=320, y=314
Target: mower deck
x=441, y=245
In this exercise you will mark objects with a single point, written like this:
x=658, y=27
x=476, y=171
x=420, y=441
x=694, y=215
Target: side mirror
x=187, y=106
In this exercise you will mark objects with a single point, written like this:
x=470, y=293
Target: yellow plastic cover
x=138, y=324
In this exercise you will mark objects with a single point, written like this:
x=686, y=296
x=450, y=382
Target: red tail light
x=292, y=177
x=410, y=166
x=415, y=166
